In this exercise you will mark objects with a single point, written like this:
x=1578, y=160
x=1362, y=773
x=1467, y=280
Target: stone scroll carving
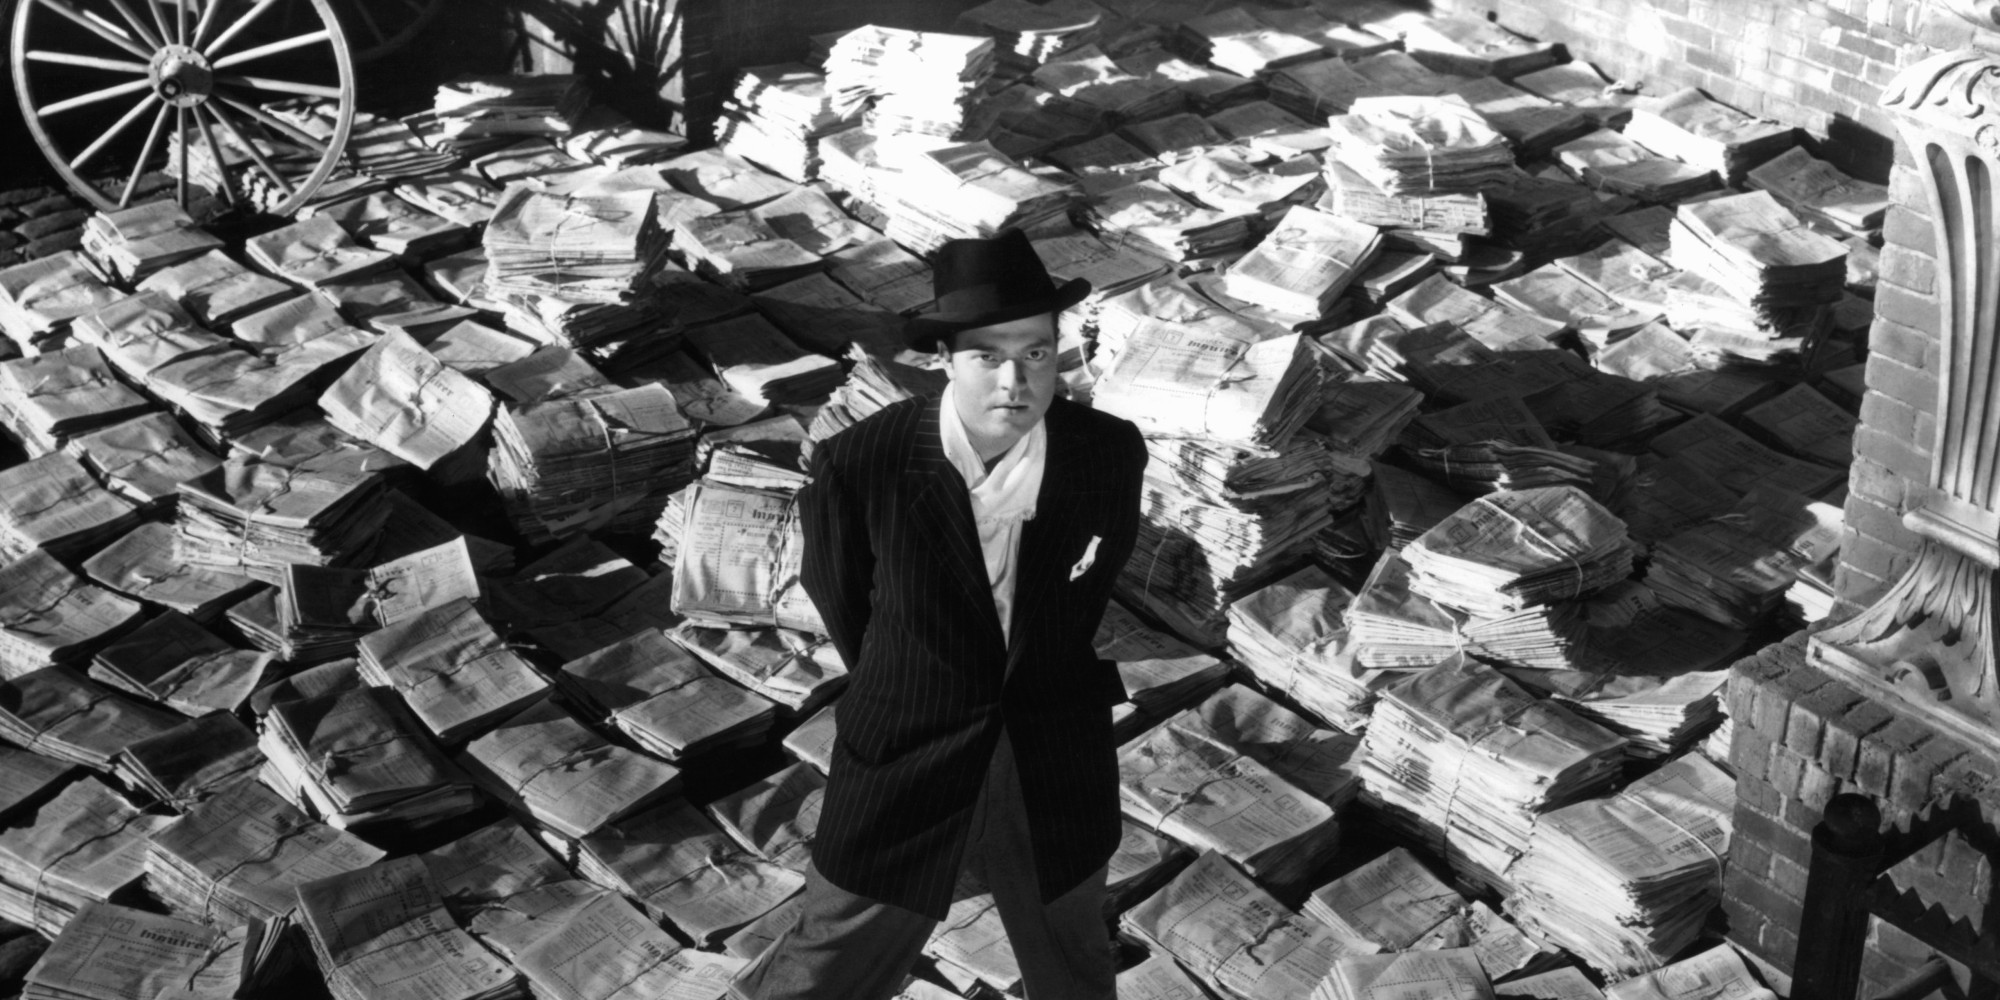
x=1930, y=639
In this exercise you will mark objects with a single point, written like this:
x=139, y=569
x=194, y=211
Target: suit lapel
x=942, y=509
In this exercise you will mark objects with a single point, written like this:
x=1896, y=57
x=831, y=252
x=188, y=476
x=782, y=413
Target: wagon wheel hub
x=181, y=76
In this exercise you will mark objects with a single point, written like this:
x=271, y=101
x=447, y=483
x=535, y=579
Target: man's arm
x=838, y=565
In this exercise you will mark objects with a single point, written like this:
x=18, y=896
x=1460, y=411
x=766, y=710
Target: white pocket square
x=1089, y=557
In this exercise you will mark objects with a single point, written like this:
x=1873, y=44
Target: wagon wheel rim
x=191, y=69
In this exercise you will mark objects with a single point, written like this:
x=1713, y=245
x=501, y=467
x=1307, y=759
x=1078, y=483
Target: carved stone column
x=1930, y=638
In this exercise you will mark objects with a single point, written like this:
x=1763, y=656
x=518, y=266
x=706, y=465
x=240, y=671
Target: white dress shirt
x=1002, y=499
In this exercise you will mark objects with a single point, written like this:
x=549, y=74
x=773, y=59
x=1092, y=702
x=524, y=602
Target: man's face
x=1003, y=378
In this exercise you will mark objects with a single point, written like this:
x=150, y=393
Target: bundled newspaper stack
x=109, y=952
x=51, y=398
x=1759, y=252
x=1736, y=567
x=217, y=290
x=132, y=244
x=252, y=517
x=665, y=698
x=471, y=108
x=561, y=776
x=1182, y=780
x=1304, y=264
x=1817, y=191
x=54, y=617
x=315, y=252
x=1694, y=129
x=191, y=762
x=390, y=222
x=798, y=670
x=1393, y=627
x=1610, y=162
x=757, y=361
x=142, y=565
x=680, y=867
x=86, y=845
x=1717, y=972
x=567, y=466
x=39, y=298
x=1092, y=79
x=776, y=118
x=1447, y=974
x=1030, y=34
x=910, y=81
x=585, y=248
x=1420, y=145
x=144, y=458
x=1627, y=882
x=1471, y=46
x=360, y=759
x=970, y=191
x=1234, y=936
x=1463, y=759
x=51, y=503
x=1162, y=675
x=1519, y=548
x=1234, y=40
x=452, y=669
x=1291, y=635
x=1393, y=902
x=176, y=662
x=1150, y=217
x=742, y=251
x=239, y=856
x=384, y=931
x=737, y=556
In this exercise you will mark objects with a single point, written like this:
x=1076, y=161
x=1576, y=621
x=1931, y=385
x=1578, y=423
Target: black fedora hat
x=983, y=282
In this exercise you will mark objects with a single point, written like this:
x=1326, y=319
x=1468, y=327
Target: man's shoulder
x=878, y=440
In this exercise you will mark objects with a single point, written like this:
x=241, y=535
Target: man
x=961, y=551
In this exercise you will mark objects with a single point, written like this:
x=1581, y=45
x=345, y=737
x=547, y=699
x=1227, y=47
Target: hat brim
x=923, y=332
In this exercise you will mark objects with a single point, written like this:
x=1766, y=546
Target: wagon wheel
x=379, y=27
x=201, y=72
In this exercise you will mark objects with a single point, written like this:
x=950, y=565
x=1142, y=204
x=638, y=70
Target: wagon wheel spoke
x=94, y=97
x=87, y=62
x=90, y=152
x=256, y=156
x=146, y=152
x=215, y=150
x=273, y=48
x=138, y=27
x=275, y=123
x=229, y=34
x=109, y=33
x=280, y=86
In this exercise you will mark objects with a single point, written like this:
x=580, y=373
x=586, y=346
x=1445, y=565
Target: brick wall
x=1802, y=737
x=1818, y=64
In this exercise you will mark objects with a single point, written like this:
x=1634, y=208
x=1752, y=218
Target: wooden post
x=1846, y=860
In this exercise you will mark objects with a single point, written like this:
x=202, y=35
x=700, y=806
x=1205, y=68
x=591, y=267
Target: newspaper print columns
x=1930, y=638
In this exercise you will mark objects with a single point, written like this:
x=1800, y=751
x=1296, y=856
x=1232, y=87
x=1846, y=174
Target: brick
x=1746, y=922
x=1887, y=560
x=1779, y=909
x=1874, y=770
x=1784, y=769
x=1781, y=840
x=1800, y=816
x=1871, y=482
x=1910, y=788
x=1909, y=227
x=1870, y=517
x=1789, y=877
x=1911, y=309
x=1889, y=416
x=1749, y=752
x=1810, y=712
x=1971, y=777
x=1906, y=187
x=1904, y=383
x=1903, y=456
x=1840, y=746
x=1907, y=344
x=1749, y=856
x=1758, y=793
x=1817, y=788
x=1909, y=269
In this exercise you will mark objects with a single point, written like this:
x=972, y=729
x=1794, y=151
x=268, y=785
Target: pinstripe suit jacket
x=892, y=560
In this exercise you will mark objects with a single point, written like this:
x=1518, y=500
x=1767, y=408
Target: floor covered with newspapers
x=400, y=599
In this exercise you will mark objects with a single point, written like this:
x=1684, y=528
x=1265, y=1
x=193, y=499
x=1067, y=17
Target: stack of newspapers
x=1183, y=780
x=252, y=517
x=1688, y=126
x=1817, y=191
x=51, y=503
x=1463, y=759
x=1610, y=162
x=1305, y=263
x=776, y=118
x=452, y=669
x=588, y=248
x=49, y=399
x=134, y=243
x=566, y=466
x=1394, y=627
x=481, y=107
x=1447, y=973
x=67, y=716
x=1028, y=35
x=666, y=699
x=1161, y=674
x=1626, y=882
x=384, y=929
x=1420, y=145
x=110, y=951
x=909, y=81
x=1242, y=44
x=560, y=775
x=361, y=759
x=86, y=845
x=38, y=299
x=1736, y=566
x=1515, y=549
x=1759, y=252
x=1291, y=636
x=969, y=191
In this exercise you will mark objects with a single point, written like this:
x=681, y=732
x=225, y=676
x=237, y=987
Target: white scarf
x=1001, y=499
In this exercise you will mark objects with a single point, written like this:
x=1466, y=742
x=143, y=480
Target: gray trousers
x=848, y=947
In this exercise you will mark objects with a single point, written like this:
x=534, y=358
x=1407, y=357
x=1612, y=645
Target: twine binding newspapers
x=1532, y=530
x=42, y=871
